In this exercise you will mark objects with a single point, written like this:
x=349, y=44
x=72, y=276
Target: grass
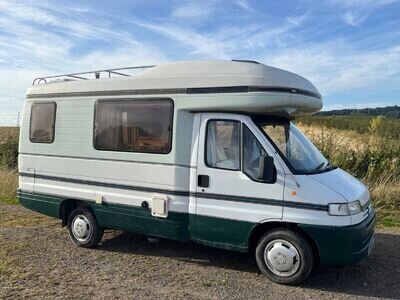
x=8, y=164
x=360, y=124
x=6, y=132
x=19, y=219
x=388, y=218
x=375, y=162
x=372, y=157
x=8, y=185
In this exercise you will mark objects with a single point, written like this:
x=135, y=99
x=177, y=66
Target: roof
x=185, y=77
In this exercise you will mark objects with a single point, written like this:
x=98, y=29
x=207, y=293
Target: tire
x=284, y=256
x=83, y=228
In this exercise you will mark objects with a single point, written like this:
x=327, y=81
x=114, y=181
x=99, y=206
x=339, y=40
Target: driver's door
x=230, y=199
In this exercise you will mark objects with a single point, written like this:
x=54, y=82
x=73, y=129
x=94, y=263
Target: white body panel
x=86, y=177
x=227, y=182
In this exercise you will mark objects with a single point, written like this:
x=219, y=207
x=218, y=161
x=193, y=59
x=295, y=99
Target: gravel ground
x=37, y=260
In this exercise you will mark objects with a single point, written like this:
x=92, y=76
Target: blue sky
x=350, y=49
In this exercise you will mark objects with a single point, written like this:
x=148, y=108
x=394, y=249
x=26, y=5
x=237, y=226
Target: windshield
x=301, y=154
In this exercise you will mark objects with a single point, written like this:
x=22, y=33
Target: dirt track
x=37, y=260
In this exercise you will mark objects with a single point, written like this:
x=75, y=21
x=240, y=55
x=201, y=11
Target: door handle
x=203, y=181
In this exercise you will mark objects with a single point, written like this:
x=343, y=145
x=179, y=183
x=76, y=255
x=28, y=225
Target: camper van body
x=176, y=152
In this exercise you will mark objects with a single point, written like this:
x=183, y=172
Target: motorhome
x=195, y=151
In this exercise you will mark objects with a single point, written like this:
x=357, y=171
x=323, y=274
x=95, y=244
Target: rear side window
x=134, y=125
x=43, y=117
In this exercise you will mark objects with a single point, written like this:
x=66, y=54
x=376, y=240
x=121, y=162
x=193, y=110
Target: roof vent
x=246, y=61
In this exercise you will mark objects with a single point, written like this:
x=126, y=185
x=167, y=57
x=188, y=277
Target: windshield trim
x=282, y=120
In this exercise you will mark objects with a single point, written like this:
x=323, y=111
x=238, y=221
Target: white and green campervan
x=197, y=151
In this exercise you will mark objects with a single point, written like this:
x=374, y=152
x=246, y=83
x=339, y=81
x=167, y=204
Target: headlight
x=345, y=209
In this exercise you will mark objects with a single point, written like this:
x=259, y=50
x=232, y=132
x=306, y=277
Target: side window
x=42, y=124
x=252, y=151
x=223, y=145
x=134, y=125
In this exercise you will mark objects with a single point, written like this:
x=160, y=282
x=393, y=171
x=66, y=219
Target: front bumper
x=343, y=245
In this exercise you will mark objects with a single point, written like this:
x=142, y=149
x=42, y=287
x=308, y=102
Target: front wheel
x=83, y=228
x=284, y=256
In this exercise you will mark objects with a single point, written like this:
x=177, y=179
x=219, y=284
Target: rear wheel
x=83, y=228
x=284, y=256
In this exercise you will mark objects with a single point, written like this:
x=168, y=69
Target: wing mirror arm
x=267, y=170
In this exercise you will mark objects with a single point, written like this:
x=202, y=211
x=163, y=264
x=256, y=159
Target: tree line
x=388, y=112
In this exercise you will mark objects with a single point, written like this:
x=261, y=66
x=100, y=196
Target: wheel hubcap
x=81, y=228
x=282, y=258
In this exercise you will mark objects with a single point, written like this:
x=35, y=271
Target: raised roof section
x=191, y=77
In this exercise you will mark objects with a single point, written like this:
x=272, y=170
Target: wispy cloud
x=353, y=19
x=45, y=37
x=244, y=4
x=363, y=3
x=357, y=11
x=297, y=20
x=199, y=43
x=194, y=10
x=37, y=40
x=335, y=68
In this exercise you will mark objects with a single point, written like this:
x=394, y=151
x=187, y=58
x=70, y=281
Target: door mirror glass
x=267, y=172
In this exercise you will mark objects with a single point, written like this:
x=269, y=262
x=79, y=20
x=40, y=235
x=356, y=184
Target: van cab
x=197, y=151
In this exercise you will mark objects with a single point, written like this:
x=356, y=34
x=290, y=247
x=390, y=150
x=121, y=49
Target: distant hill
x=388, y=111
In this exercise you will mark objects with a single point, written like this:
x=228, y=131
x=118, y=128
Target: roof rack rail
x=81, y=75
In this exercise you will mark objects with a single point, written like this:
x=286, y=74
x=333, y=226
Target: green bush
x=9, y=153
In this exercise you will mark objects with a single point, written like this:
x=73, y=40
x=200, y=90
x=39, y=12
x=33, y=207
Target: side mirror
x=267, y=171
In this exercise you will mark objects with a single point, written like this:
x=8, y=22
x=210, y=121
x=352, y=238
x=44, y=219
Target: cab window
x=252, y=152
x=223, y=144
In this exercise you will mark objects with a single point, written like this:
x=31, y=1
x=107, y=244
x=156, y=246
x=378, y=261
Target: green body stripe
x=217, y=232
x=137, y=219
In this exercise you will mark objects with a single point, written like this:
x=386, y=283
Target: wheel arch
x=67, y=206
x=260, y=229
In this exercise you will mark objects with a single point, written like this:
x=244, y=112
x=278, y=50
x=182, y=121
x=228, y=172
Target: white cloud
x=38, y=40
x=297, y=20
x=334, y=67
x=353, y=19
x=357, y=11
x=362, y=3
x=200, y=44
x=244, y=4
x=46, y=38
x=193, y=10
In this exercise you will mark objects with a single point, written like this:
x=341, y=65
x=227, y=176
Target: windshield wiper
x=320, y=166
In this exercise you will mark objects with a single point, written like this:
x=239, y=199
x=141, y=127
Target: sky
x=350, y=49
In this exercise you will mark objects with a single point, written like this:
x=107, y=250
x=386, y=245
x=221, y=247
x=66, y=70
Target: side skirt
x=230, y=234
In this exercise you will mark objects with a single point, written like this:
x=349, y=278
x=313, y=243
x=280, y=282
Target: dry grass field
x=371, y=154
x=7, y=132
x=8, y=176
